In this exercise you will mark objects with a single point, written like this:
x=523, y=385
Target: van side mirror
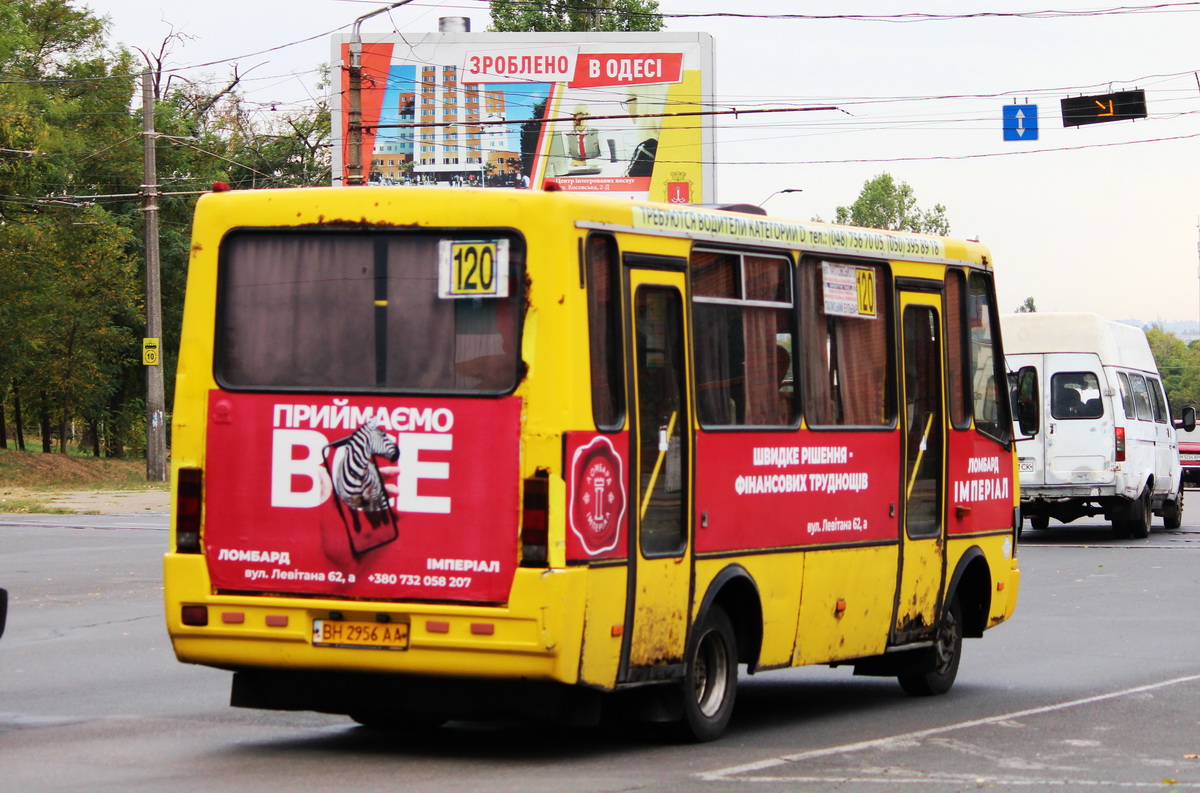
x=1029, y=404
x=1188, y=422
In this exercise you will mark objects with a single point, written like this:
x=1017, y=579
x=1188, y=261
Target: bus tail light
x=1120, y=456
x=189, y=492
x=535, y=521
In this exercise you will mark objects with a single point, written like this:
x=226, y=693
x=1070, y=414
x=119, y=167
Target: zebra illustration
x=358, y=484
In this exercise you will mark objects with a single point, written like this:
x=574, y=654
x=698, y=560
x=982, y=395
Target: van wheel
x=710, y=681
x=1172, y=511
x=947, y=652
x=1039, y=522
x=1139, y=524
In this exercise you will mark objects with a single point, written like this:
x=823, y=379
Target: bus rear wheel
x=710, y=680
x=946, y=654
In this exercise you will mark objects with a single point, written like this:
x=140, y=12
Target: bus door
x=661, y=553
x=922, y=565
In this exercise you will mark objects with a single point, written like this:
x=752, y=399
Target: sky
x=1102, y=217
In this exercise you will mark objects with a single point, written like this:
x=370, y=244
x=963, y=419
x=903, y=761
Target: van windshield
x=1075, y=395
x=351, y=310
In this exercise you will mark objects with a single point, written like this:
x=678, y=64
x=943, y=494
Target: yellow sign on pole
x=150, y=352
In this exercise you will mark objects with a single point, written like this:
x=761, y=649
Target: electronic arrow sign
x=1121, y=106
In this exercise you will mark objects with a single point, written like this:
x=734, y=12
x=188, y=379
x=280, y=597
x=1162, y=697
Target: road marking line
x=725, y=773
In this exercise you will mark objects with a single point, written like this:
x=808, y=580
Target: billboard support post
x=354, y=162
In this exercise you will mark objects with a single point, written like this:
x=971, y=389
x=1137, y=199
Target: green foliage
x=71, y=280
x=884, y=204
x=1179, y=365
x=1027, y=306
x=556, y=16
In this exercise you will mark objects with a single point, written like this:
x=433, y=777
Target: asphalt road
x=1094, y=685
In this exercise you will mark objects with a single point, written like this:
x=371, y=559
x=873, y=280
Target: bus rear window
x=361, y=311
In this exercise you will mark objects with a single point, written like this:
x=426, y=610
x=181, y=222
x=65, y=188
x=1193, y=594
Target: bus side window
x=604, y=332
x=742, y=315
x=958, y=381
x=844, y=361
x=986, y=373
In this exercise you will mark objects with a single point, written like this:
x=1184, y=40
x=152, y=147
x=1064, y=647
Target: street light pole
x=354, y=126
x=777, y=192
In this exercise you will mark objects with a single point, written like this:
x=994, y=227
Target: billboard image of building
x=614, y=113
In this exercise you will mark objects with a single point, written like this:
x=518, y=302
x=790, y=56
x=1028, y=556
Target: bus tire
x=710, y=679
x=947, y=652
x=1039, y=522
x=1140, y=517
x=1172, y=511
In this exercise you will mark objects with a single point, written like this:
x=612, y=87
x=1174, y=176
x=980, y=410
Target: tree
x=884, y=204
x=1027, y=307
x=68, y=307
x=71, y=242
x=1179, y=366
x=555, y=16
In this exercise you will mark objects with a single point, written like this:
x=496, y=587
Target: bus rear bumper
x=516, y=640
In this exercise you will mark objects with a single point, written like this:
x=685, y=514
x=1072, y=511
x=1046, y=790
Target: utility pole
x=354, y=124
x=156, y=430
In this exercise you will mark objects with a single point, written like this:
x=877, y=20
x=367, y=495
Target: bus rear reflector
x=1120, y=456
x=196, y=616
x=535, y=522
x=189, y=492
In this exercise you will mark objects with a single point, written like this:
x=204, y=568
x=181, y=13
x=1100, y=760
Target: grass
x=24, y=475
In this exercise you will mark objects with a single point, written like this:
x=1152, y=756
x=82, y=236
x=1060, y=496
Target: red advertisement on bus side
x=362, y=497
x=980, y=481
x=758, y=490
x=597, y=478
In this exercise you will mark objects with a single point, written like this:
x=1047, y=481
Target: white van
x=1106, y=442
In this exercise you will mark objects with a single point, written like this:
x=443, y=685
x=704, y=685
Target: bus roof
x=359, y=205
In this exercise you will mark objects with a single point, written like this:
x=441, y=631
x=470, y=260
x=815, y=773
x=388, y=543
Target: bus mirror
x=1187, y=422
x=1028, y=403
x=3, y=609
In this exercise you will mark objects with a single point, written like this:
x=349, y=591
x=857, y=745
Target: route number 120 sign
x=473, y=268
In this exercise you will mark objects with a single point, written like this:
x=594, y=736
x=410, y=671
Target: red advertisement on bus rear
x=362, y=497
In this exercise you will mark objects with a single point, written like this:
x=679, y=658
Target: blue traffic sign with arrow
x=1020, y=122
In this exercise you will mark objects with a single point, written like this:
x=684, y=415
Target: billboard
x=612, y=113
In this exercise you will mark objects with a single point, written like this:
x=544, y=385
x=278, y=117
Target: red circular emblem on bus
x=598, y=505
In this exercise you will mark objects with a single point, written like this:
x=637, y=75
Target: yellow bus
x=451, y=453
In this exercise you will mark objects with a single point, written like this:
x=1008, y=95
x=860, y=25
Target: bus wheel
x=1139, y=523
x=947, y=652
x=710, y=682
x=1172, y=512
x=1039, y=522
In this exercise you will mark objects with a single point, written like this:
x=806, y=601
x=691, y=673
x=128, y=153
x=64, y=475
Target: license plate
x=1025, y=465
x=372, y=635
